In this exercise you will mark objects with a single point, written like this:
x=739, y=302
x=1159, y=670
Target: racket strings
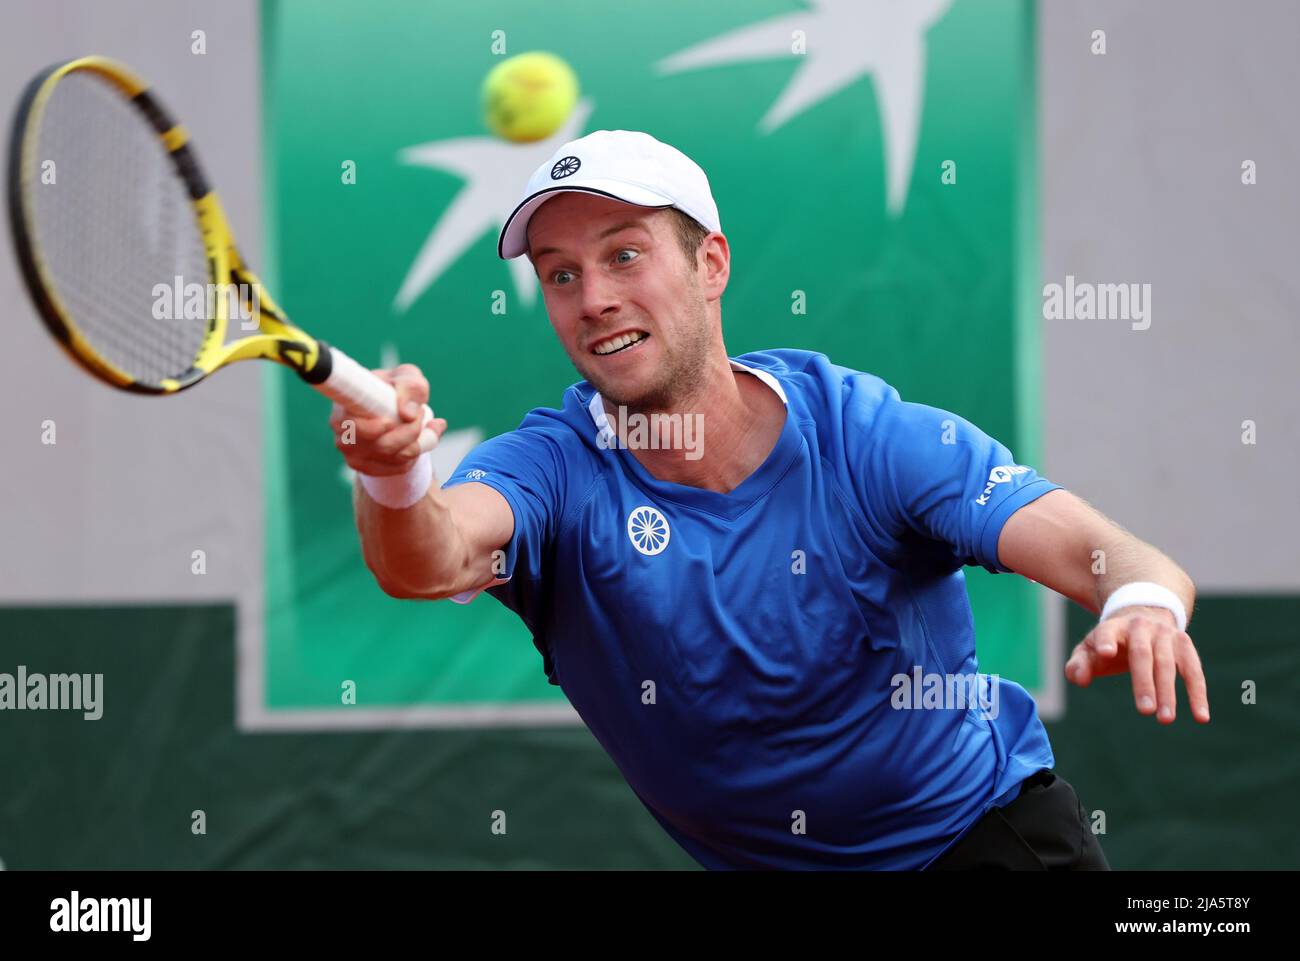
x=116, y=232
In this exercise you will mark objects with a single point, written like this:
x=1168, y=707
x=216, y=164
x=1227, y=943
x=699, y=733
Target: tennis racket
x=127, y=254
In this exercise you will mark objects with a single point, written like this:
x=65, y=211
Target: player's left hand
x=1146, y=642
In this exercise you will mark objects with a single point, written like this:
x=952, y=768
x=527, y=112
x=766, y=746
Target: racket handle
x=361, y=392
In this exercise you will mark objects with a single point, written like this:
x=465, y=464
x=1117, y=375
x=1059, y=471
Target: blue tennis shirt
x=739, y=655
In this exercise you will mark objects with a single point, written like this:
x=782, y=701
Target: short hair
x=690, y=233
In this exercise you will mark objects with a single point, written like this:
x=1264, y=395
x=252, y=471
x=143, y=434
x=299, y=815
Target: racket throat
x=314, y=370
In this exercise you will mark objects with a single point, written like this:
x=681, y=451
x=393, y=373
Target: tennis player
x=746, y=572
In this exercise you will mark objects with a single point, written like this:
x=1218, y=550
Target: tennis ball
x=527, y=97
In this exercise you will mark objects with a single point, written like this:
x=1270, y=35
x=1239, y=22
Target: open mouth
x=620, y=343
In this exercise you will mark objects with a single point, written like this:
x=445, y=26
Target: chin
x=610, y=387
x=623, y=391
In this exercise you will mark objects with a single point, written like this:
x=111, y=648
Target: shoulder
x=829, y=393
x=568, y=429
x=555, y=446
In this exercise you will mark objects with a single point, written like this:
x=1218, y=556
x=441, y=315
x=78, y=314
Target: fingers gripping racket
x=116, y=227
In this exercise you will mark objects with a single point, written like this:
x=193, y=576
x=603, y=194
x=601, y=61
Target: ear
x=713, y=265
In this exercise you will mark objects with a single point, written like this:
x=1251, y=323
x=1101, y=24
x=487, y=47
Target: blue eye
x=628, y=250
x=556, y=275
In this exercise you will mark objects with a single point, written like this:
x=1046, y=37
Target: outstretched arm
x=441, y=544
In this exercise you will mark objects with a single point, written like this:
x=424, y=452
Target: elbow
x=412, y=574
x=394, y=587
x=394, y=590
x=404, y=590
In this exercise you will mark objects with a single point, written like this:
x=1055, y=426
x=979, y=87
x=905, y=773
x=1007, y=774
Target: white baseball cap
x=625, y=165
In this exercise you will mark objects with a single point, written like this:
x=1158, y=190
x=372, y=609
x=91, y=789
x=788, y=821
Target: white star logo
x=846, y=40
x=494, y=172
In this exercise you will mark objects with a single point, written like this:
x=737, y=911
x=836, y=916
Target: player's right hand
x=382, y=446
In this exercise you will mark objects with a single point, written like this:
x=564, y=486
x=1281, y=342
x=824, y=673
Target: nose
x=600, y=296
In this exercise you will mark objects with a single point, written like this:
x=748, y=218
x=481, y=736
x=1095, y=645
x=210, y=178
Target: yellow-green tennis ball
x=528, y=96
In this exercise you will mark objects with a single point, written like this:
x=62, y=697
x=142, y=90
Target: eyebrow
x=538, y=255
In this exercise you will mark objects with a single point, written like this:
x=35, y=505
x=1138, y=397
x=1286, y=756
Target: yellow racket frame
x=277, y=339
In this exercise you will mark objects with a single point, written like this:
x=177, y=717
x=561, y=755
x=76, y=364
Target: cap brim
x=514, y=235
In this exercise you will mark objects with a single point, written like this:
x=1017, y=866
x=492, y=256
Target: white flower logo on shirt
x=648, y=530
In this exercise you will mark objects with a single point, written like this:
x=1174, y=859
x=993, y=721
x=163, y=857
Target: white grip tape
x=361, y=392
x=358, y=389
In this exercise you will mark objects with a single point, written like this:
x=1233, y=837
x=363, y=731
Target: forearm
x=416, y=552
x=1125, y=559
x=1066, y=544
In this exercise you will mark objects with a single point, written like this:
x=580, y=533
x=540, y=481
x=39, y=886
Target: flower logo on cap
x=565, y=167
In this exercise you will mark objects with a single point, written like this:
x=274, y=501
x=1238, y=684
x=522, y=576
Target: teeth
x=619, y=342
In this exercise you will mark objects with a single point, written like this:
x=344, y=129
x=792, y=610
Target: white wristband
x=1146, y=594
x=401, y=490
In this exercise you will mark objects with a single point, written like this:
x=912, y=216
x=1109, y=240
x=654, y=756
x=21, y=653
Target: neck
x=713, y=439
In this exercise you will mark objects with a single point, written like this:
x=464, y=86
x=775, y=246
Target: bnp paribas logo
x=832, y=44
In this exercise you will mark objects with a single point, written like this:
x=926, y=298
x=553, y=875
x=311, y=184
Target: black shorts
x=1044, y=829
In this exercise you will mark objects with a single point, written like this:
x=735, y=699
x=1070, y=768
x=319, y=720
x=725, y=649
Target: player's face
x=622, y=297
